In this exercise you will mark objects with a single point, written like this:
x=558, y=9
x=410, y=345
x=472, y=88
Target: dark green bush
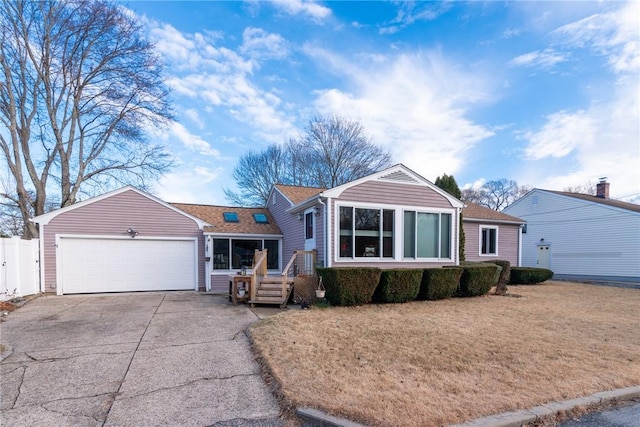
x=529, y=275
x=439, y=283
x=350, y=285
x=398, y=285
x=478, y=279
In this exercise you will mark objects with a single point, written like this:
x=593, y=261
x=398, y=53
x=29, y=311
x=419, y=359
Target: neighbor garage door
x=90, y=265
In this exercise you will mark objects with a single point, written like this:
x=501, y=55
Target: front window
x=488, y=240
x=234, y=253
x=366, y=232
x=427, y=235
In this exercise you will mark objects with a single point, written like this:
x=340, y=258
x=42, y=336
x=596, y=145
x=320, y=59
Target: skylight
x=230, y=217
x=261, y=218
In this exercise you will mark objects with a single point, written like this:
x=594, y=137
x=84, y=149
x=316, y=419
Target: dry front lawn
x=442, y=362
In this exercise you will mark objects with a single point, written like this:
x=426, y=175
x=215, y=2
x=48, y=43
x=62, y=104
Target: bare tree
x=79, y=87
x=339, y=151
x=256, y=173
x=588, y=187
x=331, y=151
x=495, y=195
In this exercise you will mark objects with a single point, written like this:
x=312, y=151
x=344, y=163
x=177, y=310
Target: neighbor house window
x=234, y=253
x=366, y=232
x=427, y=235
x=488, y=240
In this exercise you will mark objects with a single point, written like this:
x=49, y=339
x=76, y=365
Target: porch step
x=269, y=292
x=266, y=300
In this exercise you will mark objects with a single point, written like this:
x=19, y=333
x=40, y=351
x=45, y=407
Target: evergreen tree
x=448, y=183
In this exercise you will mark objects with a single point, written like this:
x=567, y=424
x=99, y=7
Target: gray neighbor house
x=128, y=240
x=580, y=236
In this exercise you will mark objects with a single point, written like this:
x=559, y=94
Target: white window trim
x=492, y=227
x=230, y=237
x=398, y=231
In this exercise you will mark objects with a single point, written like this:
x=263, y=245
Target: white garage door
x=89, y=265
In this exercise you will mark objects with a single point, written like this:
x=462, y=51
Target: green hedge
x=398, y=285
x=350, y=285
x=477, y=279
x=439, y=283
x=529, y=275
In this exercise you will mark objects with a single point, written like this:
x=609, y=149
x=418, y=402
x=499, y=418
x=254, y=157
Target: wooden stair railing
x=277, y=289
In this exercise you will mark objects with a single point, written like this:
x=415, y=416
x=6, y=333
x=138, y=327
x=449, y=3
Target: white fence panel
x=19, y=270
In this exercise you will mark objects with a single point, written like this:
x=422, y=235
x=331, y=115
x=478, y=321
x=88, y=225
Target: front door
x=309, y=229
x=544, y=257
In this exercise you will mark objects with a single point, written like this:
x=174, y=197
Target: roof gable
x=246, y=223
x=397, y=174
x=46, y=218
x=296, y=194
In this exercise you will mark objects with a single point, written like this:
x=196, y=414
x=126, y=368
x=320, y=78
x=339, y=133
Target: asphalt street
x=627, y=415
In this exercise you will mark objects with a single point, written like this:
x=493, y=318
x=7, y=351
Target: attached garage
x=94, y=264
x=122, y=241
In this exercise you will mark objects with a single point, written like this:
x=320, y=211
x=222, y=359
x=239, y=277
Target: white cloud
x=223, y=78
x=613, y=34
x=193, y=115
x=545, y=59
x=191, y=141
x=188, y=184
x=259, y=44
x=410, y=12
x=562, y=133
x=310, y=9
x=603, y=138
x=414, y=105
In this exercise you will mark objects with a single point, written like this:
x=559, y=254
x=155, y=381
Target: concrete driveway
x=138, y=359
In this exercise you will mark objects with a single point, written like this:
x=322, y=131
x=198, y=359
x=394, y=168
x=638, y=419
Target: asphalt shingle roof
x=245, y=225
x=474, y=211
x=609, y=202
x=298, y=194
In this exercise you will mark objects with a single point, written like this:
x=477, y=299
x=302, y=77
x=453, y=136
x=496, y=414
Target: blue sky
x=545, y=93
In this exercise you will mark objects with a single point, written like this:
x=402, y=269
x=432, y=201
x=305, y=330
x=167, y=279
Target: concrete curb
x=316, y=418
x=550, y=410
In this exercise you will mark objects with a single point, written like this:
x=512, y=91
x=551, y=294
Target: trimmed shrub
x=529, y=275
x=398, y=285
x=477, y=279
x=439, y=283
x=350, y=285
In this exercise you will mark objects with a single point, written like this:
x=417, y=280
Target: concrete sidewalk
x=161, y=358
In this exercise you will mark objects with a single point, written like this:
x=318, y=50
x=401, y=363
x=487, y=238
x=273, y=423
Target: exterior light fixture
x=132, y=232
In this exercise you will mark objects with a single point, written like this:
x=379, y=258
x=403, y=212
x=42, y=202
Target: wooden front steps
x=269, y=291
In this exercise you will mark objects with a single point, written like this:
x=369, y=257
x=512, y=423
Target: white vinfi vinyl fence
x=19, y=272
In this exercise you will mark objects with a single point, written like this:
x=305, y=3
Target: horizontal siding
x=395, y=194
x=585, y=238
x=112, y=216
x=292, y=228
x=388, y=265
x=507, y=242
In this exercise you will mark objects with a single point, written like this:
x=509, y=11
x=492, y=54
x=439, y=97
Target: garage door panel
x=122, y=265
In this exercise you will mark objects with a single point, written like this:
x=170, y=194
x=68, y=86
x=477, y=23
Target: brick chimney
x=602, y=188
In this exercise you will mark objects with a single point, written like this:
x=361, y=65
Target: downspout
x=520, y=245
x=326, y=232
